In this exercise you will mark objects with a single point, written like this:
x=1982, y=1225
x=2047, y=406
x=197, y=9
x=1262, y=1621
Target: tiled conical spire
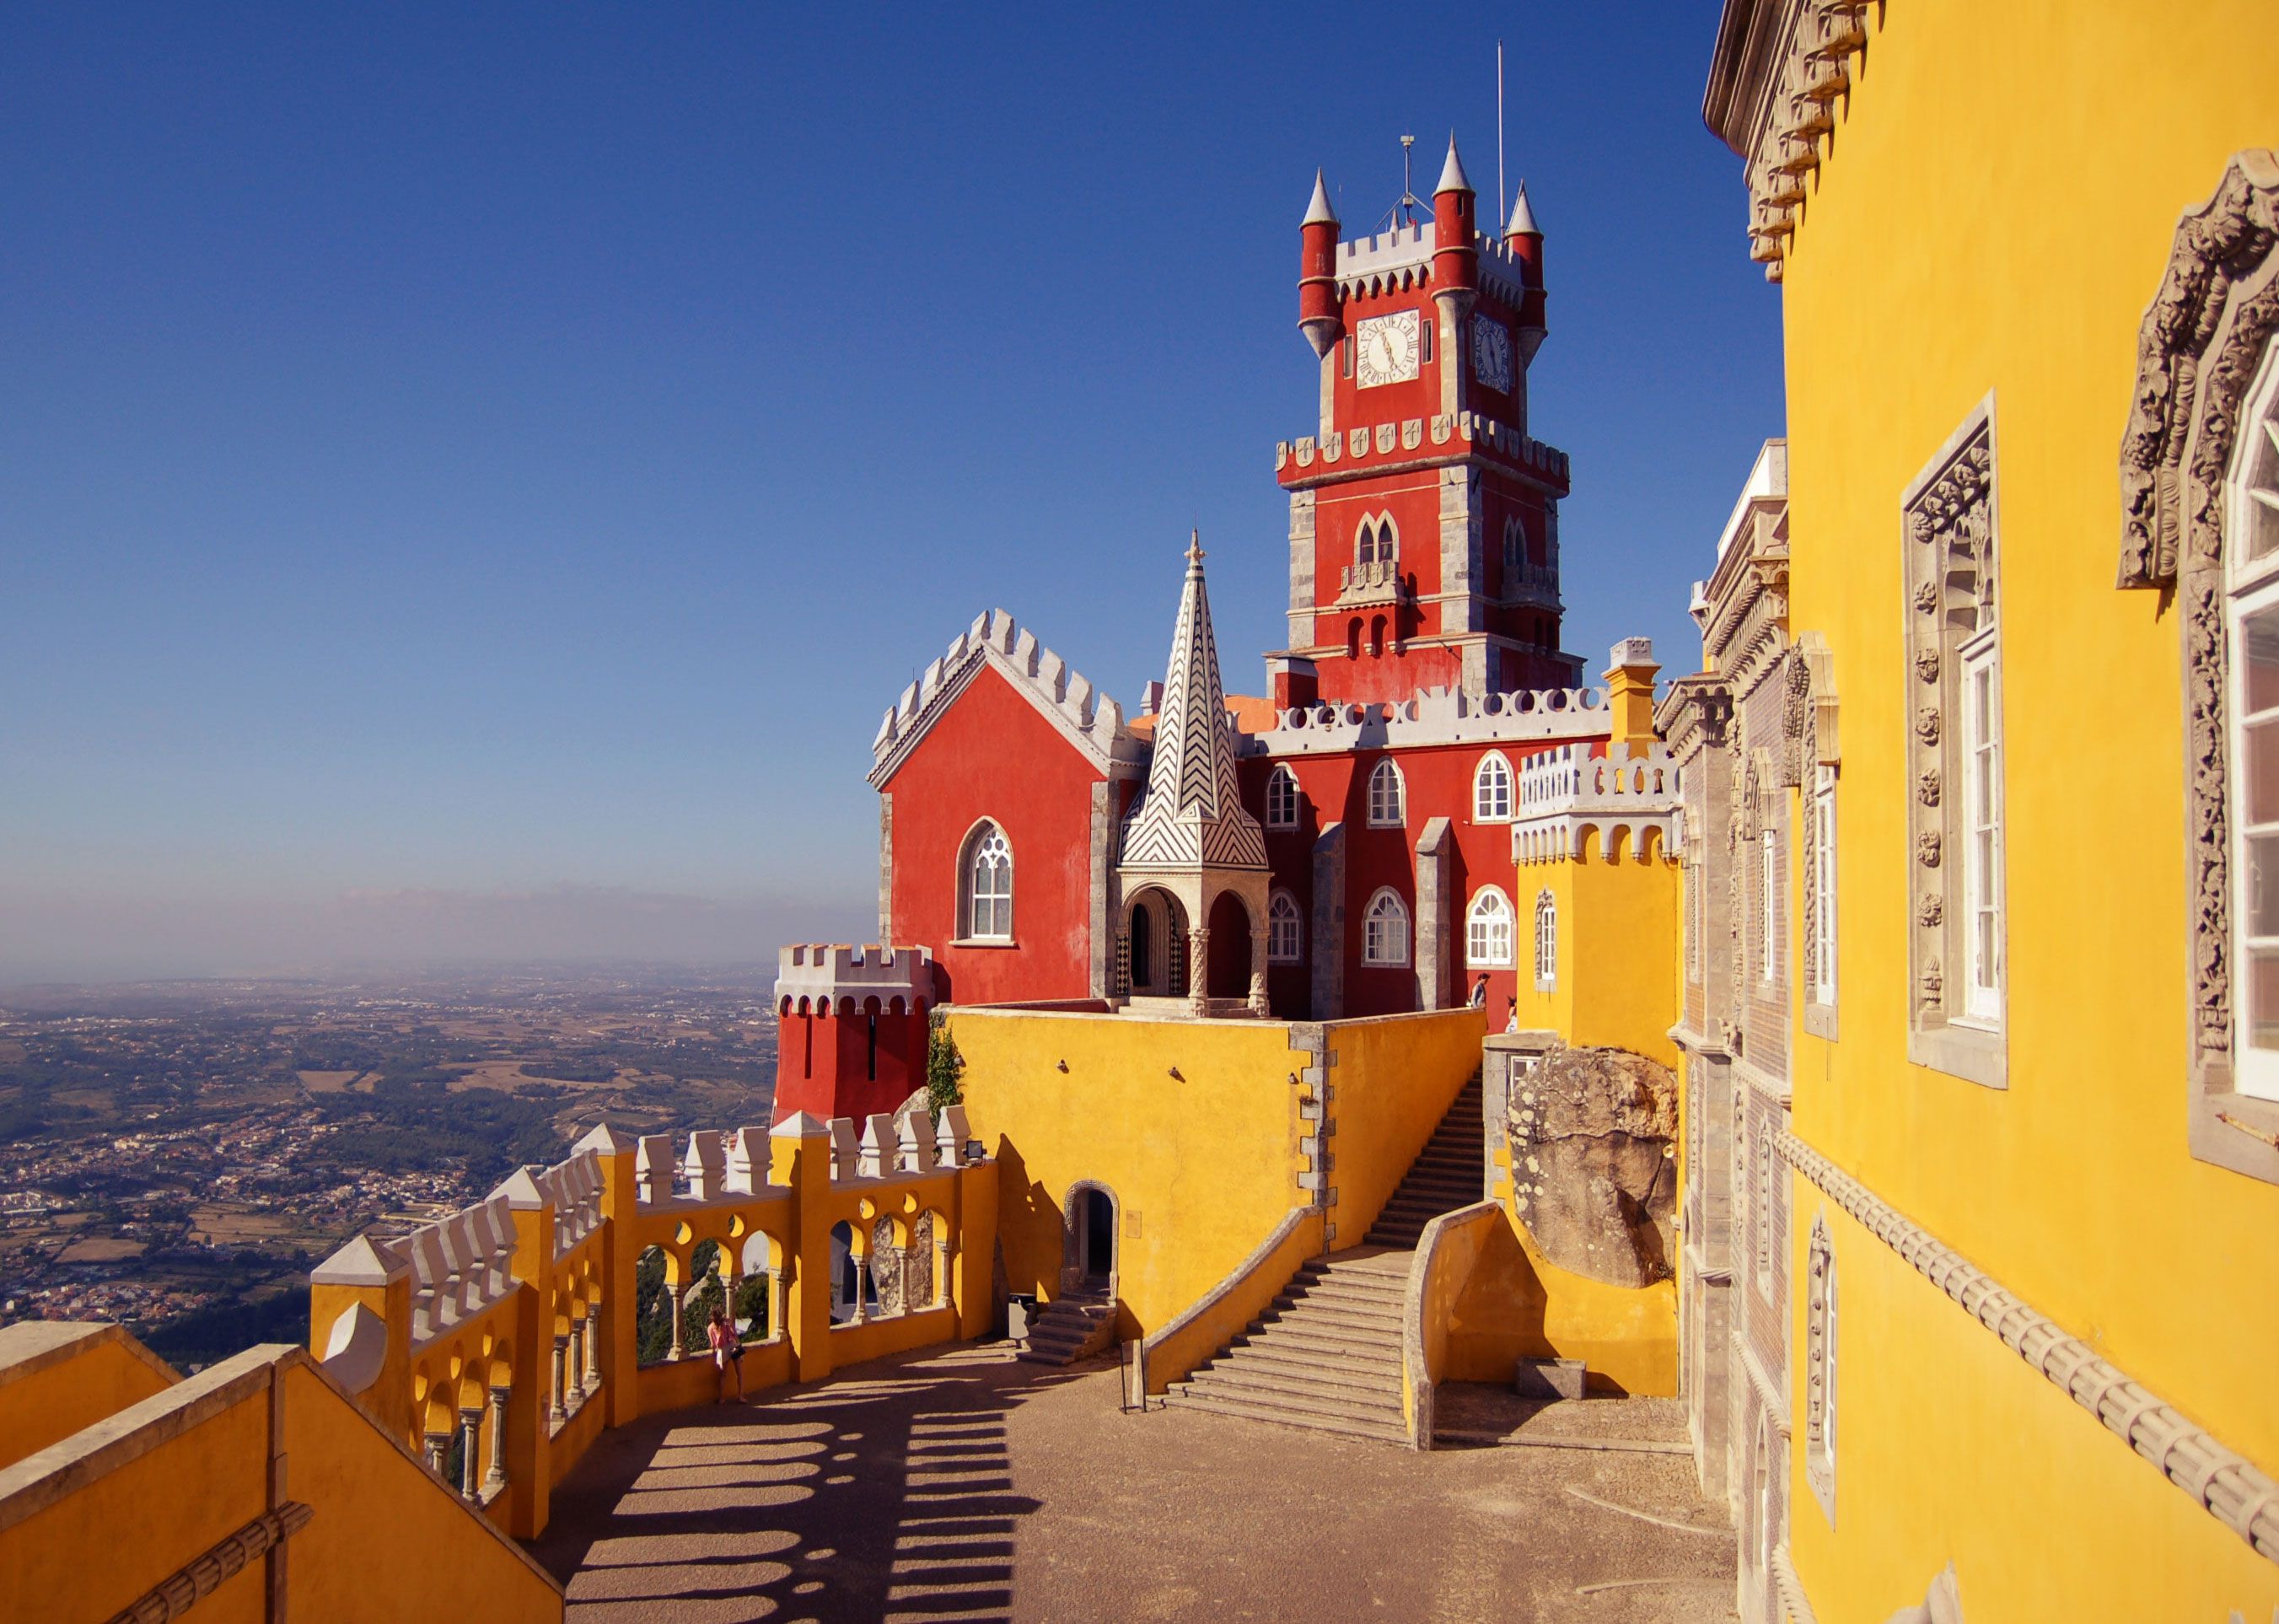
x=1192, y=811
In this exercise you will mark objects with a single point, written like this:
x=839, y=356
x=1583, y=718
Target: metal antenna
x=1501, y=215
x=1400, y=212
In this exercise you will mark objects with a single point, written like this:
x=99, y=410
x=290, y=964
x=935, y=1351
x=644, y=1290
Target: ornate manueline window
x=1957, y=939
x=1385, y=930
x=1819, y=921
x=1809, y=720
x=1488, y=931
x=1820, y=1367
x=1282, y=798
x=1492, y=789
x=1695, y=880
x=1285, y=932
x=2200, y=498
x=1376, y=540
x=987, y=877
x=1761, y=1200
x=1388, y=799
x=1546, y=940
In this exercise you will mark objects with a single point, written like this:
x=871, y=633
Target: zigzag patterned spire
x=1193, y=810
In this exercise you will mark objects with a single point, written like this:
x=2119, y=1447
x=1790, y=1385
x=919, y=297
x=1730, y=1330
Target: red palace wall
x=1335, y=788
x=993, y=756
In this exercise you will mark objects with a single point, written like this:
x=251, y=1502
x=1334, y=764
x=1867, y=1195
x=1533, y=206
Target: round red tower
x=1456, y=255
x=1317, y=280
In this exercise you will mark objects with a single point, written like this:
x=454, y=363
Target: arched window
x=1385, y=930
x=1388, y=800
x=1487, y=931
x=986, y=878
x=1514, y=544
x=1546, y=940
x=1282, y=798
x=1353, y=638
x=1376, y=542
x=1491, y=790
x=1285, y=932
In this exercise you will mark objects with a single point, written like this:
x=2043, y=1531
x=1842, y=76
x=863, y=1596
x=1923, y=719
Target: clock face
x=1492, y=354
x=1388, y=347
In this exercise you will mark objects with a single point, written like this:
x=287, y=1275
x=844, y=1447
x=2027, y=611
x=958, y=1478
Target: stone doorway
x=1088, y=1261
x=1157, y=935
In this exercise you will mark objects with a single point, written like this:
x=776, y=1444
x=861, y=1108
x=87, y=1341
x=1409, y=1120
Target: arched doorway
x=1157, y=928
x=1229, y=948
x=1088, y=1261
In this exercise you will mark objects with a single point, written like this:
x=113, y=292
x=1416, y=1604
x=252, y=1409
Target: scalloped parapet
x=827, y=976
x=1436, y=716
x=1086, y=718
x=1303, y=462
x=1400, y=259
x=1626, y=791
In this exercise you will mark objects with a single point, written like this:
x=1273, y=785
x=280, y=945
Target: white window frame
x=1769, y=880
x=970, y=895
x=1823, y=880
x=1385, y=919
x=1388, y=809
x=1492, y=789
x=2255, y=1071
x=1546, y=940
x=1285, y=930
x=1980, y=825
x=1693, y=911
x=1282, y=798
x=1490, y=915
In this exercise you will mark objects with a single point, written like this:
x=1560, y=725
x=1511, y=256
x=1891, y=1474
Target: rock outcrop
x=1593, y=1153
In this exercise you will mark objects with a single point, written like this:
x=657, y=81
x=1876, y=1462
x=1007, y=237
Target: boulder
x=1594, y=1163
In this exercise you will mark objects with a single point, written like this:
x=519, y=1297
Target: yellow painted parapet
x=183, y=1492
x=56, y=1378
x=509, y=1335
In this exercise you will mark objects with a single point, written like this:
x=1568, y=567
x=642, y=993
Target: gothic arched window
x=1388, y=800
x=1285, y=933
x=1491, y=790
x=1385, y=930
x=1282, y=798
x=1546, y=939
x=986, y=878
x=1487, y=931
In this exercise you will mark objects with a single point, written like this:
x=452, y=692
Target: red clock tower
x=1424, y=521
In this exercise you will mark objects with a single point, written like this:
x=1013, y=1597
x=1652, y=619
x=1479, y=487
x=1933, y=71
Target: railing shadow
x=885, y=1492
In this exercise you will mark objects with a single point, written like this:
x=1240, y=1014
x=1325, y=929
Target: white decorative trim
x=1436, y=716
x=2221, y=1481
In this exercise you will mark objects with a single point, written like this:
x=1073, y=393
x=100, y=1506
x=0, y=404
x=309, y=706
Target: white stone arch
x=1376, y=539
x=998, y=913
x=1490, y=929
x=1385, y=930
x=1492, y=798
x=1388, y=795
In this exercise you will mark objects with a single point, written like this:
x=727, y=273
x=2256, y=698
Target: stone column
x=577, y=1360
x=439, y=1445
x=862, y=1315
x=679, y=1306
x=1199, y=968
x=592, y=1382
x=494, y=1479
x=560, y=1411
x=470, y=1445
x=1258, y=970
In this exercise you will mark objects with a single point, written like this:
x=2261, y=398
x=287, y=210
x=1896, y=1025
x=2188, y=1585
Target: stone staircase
x=1326, y=1353
x=1072, y=1326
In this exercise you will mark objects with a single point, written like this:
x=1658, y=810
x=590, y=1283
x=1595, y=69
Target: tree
x=944, y=1064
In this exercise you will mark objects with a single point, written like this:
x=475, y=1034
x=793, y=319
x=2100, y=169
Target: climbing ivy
x=944, y=1064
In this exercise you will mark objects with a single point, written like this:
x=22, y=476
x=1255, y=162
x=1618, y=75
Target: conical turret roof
x=1522, y=218
x=1191, y=813
x=1451, y=172
x=1318, y=211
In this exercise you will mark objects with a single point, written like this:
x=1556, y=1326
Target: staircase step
x=1327, y=1344
x=1376, y=1432
x=1314, y=1313
x=1299, y=1370
x=1346, y=1402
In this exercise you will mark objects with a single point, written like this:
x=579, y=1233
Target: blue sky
x=472, y=478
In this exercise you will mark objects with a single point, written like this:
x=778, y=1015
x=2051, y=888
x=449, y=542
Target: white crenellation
x=1474, y=428
x=1436, y=716
x=878, y=1152
x=1400, y=260
x=1093, y=721
x=1622, y=796
x=808, y=974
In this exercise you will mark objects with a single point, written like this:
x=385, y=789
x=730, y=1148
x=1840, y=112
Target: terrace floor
x=957, y=1483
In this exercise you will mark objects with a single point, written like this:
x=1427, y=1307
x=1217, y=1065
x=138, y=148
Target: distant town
x=175, y=1155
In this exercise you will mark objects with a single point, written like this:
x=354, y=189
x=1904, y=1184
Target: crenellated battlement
x=1372, y=445
x=1620, y=795
x=1400, y=259
x=1436, y=716
x=1091, y=720
x=825, y=978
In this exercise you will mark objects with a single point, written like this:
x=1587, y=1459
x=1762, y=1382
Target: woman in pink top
x=727, y=1353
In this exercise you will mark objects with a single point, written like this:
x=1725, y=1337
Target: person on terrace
x=727, y=1355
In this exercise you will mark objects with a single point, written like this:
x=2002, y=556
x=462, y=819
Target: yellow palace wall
x=1618, y=966
x=1994, y=213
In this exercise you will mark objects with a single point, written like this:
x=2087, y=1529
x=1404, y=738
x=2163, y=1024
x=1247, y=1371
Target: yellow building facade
x=2032, y=1195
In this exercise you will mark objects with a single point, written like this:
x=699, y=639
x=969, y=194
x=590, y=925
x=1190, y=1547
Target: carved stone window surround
x=1950, y=563
x=2202, y=359
x=1820, y=1367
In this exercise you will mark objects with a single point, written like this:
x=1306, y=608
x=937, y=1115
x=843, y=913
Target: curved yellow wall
x=1994, y=214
